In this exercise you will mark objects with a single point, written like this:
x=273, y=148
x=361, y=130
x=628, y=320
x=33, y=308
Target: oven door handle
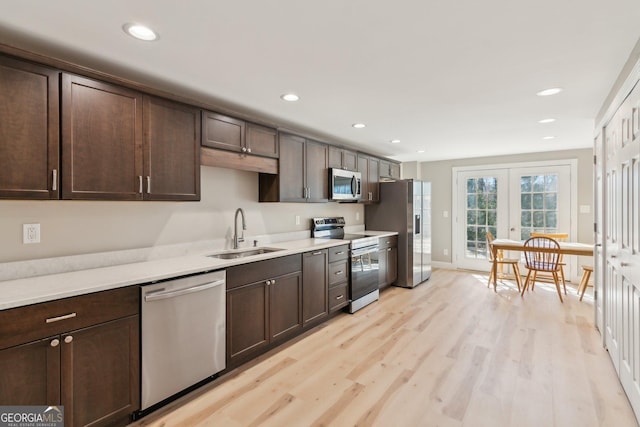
x=172, y=294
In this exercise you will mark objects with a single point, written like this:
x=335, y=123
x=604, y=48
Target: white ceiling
x=456, y=78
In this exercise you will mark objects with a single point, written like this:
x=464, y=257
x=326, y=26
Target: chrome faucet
x=237, y=239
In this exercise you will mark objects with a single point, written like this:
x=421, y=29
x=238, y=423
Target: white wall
x=439, y=173
x=81, y=227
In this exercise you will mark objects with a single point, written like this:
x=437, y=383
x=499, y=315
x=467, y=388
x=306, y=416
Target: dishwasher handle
x=172, y=294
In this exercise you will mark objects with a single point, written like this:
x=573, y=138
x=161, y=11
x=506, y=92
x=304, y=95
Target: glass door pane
x=483, y=196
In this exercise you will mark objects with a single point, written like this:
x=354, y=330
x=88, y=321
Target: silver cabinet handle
x=248, y=150
x=55, y=342
x=268, y=282
x=244, y=149
x=317, y=253
x=59, y=318
x=389, y=250
x=340, y=297
x=614, y=256
x=140, y=184
x=148, y=184
x=273, y=281
x=625, y=264
x=68, y=339
x=338, y=272
x=340, y=253
x=54, y=183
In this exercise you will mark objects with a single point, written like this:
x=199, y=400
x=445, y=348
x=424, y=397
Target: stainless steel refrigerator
x=405, y=207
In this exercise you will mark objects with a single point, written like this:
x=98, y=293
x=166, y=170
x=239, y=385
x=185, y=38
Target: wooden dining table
x=566, y=248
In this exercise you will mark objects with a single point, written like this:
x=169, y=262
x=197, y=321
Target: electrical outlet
x=357, y=216
x=30, y=233
x=297, y=219
x=445, y=214
x=445, y=252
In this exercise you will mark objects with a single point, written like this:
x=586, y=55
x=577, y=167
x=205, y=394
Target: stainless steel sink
x=243, y=253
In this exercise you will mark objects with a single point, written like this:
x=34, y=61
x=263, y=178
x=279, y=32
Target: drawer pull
x=59, y=318
x=317, y=253
x=389, y=250
x=338, y=272
x=68, y=339
x=340, y=297
x=340, y=253
x=55, y=342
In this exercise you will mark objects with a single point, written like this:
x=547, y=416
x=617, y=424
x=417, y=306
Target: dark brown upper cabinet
x=231, y=134
x=389, y=170
x=101, y=141
x=342, y=159
x=369, y=167
x=29, y=131
x=302, y=175
x=118, y=144
x=171, y=150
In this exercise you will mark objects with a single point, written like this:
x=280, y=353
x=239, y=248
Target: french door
x=509, y=202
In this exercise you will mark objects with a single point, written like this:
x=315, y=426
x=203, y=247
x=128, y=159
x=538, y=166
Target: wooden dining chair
x=545, y=261
x=584, y=282
x=502, y=261
x=559, y=237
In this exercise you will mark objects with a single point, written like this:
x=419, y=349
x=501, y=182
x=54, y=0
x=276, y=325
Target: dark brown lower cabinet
x=315, y=277
x=92, y=369
x=265, y=311
x=388, y=261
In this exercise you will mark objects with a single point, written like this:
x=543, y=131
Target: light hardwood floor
x=449, y=352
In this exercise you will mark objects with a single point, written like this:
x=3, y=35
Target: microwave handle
x=354, y=186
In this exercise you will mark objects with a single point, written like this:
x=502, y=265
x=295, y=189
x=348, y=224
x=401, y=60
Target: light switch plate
x=297, y=219
x=30, y=233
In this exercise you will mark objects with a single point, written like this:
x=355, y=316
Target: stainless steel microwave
x=345, y=186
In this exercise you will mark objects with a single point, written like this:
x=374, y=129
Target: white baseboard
x=443, y=265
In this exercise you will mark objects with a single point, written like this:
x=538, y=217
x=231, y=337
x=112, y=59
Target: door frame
x=456, y=210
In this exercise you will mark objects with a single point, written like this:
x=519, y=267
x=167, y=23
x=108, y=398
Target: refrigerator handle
x=416, y=226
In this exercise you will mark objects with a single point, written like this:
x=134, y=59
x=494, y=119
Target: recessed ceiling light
x=548, y=92
x=140, y=32
x=395, y=141
x=546, y=121
x=358, y=125
x=549, y=137
x=291, y=97
x=420, y=151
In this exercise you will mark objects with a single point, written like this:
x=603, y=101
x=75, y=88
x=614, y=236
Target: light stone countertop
x=31, y=290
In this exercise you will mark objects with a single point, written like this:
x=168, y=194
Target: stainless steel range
x=363, y=289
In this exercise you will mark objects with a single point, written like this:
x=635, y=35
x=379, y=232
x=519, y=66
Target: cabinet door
x=30, y=373
x=223, y=132
x=383, y=268
x=392, y=265
x=100, y=368
x=261, y=140
x=363, y=168
x=394, y=170
x=247, y=321
x=29, y=129
x=285, y=302
x=171, y=150
x=335, y=157
x=291, y=174
x=374, y=179
x=349, y=160
x=101, y=140
x=385, y=169
x=317, y=172
x=314, y=285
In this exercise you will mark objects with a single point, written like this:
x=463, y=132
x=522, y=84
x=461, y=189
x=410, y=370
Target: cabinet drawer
x=338, y=272
x=32, y=322
x=338, y=253
x=240, y=275
x=338, y=297
x=388, y=242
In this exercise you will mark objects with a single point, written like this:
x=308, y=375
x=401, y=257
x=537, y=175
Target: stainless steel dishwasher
x=183, y=334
